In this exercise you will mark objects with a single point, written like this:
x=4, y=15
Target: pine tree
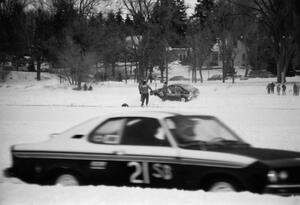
x=128, y=25
x=119, y=18
x=178, y=24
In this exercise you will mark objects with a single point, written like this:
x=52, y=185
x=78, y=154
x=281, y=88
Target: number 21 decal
x=141, y=172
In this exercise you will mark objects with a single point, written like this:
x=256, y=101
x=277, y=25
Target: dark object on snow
x=85, y=87
x=90, y=88
x=125, y=105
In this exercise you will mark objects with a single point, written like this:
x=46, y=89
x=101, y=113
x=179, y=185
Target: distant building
x=179, y=53
x=133, y=41
x=241, y=55
x=214, y=59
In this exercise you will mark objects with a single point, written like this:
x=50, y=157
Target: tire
x=182, y=99
x=223, y=185
x=66, y=179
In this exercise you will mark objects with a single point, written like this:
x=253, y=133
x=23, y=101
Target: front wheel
x=67, y=179
x=182, y=99
x=223, y=185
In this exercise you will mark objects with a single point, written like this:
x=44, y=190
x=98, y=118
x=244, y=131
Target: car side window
x=178, y=89
x=108, y=132
x=172, y=88
x=144, y=131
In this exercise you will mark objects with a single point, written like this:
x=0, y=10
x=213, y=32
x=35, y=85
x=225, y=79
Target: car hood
x=272, y=157
x=261, y=153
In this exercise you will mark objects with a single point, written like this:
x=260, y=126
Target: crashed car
x=177, y=92
x=156, y=149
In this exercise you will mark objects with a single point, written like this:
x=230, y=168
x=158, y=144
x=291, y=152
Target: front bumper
x=9, y=172
x=283, y=189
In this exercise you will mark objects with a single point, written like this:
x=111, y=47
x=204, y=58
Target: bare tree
x=143, y=8
x=141, y=12
x=76, y=62
x=280, y=21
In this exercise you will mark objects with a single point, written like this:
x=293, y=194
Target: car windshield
x=202, y=132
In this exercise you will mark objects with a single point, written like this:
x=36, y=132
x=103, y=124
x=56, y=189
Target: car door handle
x=119, y=152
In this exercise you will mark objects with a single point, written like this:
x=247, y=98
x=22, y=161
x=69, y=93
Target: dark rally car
x=157, y=149
x=178, y=92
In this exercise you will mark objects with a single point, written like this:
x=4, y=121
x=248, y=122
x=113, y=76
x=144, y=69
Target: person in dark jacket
x=144, y=91
x=269, y=88
x=272, y=87
x=165, y=90
x=85, y=86
x=283, y=89
x=278, y=89
x=295, y=89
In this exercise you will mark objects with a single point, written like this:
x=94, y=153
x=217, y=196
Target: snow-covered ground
x=31, y=110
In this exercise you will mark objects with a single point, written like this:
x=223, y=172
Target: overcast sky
x=117, y=4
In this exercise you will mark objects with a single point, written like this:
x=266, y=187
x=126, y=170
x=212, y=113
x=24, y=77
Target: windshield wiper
x=224, y=142
x=191, y=144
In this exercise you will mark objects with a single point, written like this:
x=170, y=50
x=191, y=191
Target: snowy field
x=30, y=111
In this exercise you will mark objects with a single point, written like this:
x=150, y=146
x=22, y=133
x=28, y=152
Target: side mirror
x=53, y=135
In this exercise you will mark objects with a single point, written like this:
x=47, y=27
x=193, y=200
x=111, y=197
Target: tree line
x=76, y=34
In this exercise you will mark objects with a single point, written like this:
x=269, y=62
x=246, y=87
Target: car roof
x=152, y=113
x=182, y=84
x=85, y=127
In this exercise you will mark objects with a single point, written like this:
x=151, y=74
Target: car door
x=172, y=95
x=149, y=159
x=104, y=168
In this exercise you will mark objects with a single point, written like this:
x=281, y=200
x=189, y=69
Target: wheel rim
x=222, y=186
x=67, y=180
x=182, y=100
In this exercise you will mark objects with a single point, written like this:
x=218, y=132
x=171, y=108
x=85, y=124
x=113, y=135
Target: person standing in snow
x=272, y=87
x=165, y=90
x=269, y=88
x=278, y=89
x=144, y=91
x=295, y=89
x=283, y=89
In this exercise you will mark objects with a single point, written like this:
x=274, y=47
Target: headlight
x=283, y=175
x=272, y=176
x=275, y=176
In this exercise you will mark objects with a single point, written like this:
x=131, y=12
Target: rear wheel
x=66, y=179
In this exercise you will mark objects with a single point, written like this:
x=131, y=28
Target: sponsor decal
x=142, y=172
x=98, y=165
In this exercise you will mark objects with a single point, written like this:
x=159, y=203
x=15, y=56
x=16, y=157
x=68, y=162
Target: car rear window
x=108, y=133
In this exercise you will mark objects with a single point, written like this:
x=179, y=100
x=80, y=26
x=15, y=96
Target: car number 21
x=141, y=175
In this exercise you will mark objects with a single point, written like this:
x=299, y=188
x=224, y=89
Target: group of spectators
x=281, y=88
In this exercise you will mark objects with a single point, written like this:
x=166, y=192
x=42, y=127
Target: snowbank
x=97, y=195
